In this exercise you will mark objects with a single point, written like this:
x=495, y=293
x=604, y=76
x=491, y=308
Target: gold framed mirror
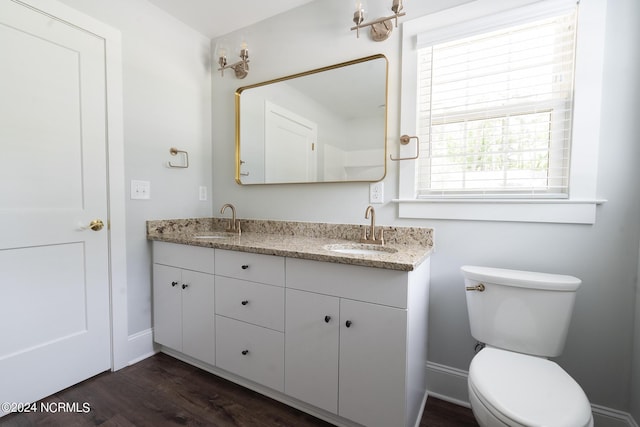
x=323, y=125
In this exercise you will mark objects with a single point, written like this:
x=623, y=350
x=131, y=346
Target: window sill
x=525, y=210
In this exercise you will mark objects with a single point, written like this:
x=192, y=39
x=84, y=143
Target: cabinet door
x=373, y=341
x=311, y=348
x=167, y=306
x=198, y=331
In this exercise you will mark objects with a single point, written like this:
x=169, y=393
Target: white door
x=290, y=146
x=54, y=277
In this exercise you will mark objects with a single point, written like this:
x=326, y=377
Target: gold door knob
x=96, y=225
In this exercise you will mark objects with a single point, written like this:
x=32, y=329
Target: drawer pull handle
x=348, y=323
x=245, y=302
x=245, y=352
x=245, y=266
x=174, y=284
x=327, y=319
x=185, y=286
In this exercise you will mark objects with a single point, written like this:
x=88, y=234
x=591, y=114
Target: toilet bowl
x=517, y=390
x=523, y=318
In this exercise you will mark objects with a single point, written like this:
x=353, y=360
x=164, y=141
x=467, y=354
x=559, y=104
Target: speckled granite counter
x=410, y=245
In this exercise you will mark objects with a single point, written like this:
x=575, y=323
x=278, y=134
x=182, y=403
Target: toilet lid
x=529, y=390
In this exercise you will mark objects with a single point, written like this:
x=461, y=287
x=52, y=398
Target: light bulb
x=358, y=15
x=221, y=49
x=397, y=6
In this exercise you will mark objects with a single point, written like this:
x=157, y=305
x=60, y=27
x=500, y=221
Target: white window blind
x=495, y=112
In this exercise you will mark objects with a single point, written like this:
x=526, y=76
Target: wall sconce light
x=380, y=28
x=241, y=68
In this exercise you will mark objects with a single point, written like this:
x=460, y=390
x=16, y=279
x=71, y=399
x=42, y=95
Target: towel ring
x=404, y=140
x=174, y=152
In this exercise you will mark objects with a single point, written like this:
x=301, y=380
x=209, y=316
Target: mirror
x=324, y=125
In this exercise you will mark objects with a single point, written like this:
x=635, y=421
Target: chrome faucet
x=234, y=226
x=371, y=236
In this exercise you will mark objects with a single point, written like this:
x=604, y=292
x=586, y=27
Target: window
x=491, y=98
x=494, y=111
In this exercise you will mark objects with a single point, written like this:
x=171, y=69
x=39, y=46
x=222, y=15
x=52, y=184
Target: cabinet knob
x=245, y=266
x=327, y=319
x=174, y=284
x=348, y=323
x=245, y=352
x=185, y=286
x=245, y=302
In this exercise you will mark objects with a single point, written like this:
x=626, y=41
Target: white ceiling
x=214, y=18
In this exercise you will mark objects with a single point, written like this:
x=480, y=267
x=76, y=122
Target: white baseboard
x=450, y=384
x=607, y=417
x=447, y=383
x=140, y=346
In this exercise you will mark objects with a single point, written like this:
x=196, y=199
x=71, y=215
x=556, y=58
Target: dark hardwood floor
x=162, y=391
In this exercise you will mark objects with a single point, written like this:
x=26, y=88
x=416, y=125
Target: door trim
x=115, y=168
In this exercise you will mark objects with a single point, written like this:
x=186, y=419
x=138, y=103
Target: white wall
x=635, y=380
x=622, y=102
x=167, y=103
x=631, y=61
x=605, y=256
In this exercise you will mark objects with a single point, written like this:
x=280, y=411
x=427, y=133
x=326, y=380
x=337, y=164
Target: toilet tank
x=521, y=311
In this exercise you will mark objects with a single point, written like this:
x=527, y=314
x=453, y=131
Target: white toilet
x=522, y=318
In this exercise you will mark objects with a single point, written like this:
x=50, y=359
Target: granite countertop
x=404, y=249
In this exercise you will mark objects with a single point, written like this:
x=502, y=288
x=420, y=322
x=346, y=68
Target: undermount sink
x=360, y=249
x=213, y=235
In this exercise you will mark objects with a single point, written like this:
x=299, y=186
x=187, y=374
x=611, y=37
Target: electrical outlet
x=202, y=191
x=140, y=190
x=376, y=192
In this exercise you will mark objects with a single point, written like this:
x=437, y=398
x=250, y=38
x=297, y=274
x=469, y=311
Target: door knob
x=96, y=225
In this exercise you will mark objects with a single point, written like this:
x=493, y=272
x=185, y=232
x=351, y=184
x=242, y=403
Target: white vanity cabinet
x=183, y=299
x=250, y=316
x=356, y=340
x=346, y=343
x=353, y=368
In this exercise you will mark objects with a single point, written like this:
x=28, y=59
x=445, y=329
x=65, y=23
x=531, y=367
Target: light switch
x=140, y=190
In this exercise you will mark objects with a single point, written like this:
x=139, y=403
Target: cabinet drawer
x=375, y=285
x=256, y=303
x=253, y=267
x=250, y=351
x=184, y=256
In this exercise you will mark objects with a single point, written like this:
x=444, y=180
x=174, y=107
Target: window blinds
x=494, y=112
